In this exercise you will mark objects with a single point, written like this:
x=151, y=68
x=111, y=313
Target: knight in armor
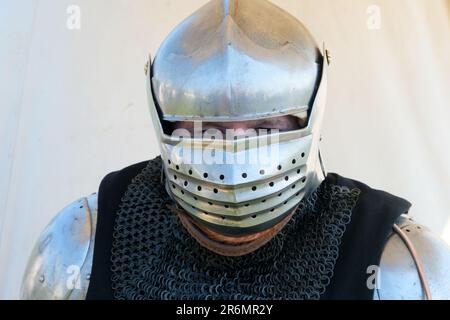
x=275, y=226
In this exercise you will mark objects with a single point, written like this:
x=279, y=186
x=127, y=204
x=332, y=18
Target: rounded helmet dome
x=236, y=60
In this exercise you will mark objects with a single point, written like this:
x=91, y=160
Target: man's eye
x=211, y=131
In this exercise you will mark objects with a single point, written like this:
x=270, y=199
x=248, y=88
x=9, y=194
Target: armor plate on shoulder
x=61, y=261
x=399, y=276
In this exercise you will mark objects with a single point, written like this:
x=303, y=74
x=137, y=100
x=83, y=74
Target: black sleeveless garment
x=143, y=252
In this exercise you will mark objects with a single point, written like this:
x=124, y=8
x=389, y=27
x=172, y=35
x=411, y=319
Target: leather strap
x=417, y=261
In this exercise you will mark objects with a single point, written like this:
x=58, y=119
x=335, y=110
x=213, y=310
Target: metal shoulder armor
x=60, y=264
x=414, y=261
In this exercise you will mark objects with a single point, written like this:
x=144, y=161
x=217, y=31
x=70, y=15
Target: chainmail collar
x=154, y=257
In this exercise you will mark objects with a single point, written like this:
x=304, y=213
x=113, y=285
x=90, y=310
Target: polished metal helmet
x=235, y=61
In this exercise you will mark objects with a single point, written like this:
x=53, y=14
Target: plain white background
x=73, y=105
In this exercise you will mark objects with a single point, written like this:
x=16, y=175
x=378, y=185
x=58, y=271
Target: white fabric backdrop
x=73, y=105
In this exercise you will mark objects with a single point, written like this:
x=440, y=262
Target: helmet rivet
x=146, y=67
x=328, y=56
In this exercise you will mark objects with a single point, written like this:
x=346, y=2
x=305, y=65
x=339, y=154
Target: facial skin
x=283, y=123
